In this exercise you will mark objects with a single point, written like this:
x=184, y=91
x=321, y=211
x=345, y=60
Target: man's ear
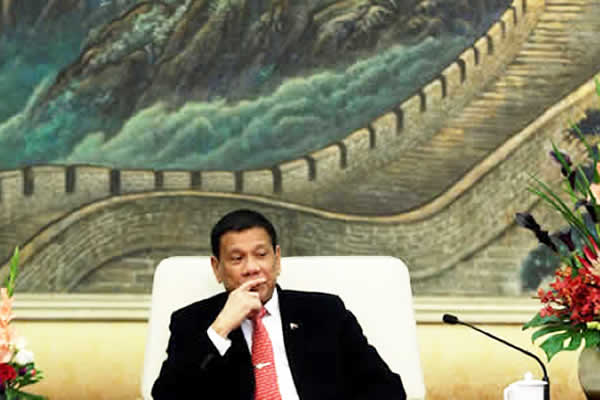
x=278, y=259
x=214, y=262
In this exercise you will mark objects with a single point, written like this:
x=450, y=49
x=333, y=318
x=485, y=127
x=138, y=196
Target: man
x=257, y=341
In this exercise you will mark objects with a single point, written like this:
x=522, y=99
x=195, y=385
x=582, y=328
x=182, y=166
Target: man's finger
x=247, y=286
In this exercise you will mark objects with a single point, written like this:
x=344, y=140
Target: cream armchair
x=376, y=289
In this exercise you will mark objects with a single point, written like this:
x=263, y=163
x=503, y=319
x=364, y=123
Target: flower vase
x=589, y=372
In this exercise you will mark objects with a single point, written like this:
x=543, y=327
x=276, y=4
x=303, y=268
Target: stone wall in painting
x=434, y=179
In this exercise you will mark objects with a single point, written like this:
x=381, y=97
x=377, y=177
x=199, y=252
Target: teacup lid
x=529, y=381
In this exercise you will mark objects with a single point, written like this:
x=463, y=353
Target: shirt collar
x=272, y=306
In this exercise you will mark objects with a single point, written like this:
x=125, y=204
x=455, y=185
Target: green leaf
x=575, y=341
x=578, y=265
x=551, y=198
x=592, y=337
x=14, y=394
x=576, y=128
x=588, y=190
x=537, y=320
x=13, y=272
x=566, y=187
x=561, y=159
x=555, y=343
x=548, y=329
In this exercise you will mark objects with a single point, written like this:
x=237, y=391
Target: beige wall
x=461, y=364
x=87, y=360
x=103, y=360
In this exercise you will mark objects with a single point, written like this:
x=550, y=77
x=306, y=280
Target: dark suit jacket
x=329, y=356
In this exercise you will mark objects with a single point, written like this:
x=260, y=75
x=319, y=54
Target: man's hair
x=240, y=220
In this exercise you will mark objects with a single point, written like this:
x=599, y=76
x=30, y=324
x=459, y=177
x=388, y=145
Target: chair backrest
x=376, y=289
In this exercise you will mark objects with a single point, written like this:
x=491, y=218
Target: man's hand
x=242, y=303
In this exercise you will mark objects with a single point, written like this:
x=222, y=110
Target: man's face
x=247, y=255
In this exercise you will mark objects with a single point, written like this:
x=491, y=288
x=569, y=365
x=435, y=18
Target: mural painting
x=394, y=127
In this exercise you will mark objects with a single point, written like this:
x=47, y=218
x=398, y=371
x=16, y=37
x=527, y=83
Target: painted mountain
x=213, y=84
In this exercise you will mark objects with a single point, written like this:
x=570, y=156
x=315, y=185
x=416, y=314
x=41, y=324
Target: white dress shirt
x=272, y=322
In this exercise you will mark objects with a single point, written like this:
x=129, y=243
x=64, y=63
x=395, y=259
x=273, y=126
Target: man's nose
x=252, y=267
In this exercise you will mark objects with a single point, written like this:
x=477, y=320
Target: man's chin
x=265, y=294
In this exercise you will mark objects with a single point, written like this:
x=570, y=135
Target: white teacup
x=527, y=389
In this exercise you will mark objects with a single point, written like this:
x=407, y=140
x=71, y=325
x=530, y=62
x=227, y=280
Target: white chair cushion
x=376, y=289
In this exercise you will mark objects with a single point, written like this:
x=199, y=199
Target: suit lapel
x=293, y=336
x=239, y=351
x=238, y=344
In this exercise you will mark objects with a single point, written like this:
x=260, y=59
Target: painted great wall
x=435, y=181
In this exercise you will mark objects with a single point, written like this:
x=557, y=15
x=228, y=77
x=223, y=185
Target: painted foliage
x=360, y=126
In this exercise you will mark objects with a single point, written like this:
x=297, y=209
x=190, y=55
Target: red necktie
x=263, y=361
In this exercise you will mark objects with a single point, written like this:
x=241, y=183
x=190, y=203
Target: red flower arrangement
x=572, y=296
x=7, y=373
x=17, y=368
x=570, y=315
